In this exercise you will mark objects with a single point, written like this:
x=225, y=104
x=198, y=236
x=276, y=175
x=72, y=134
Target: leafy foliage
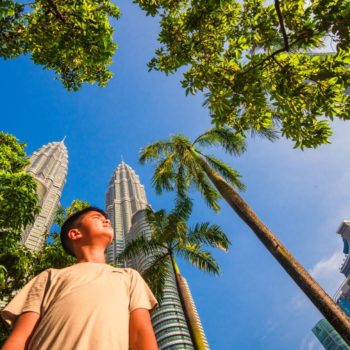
x=254, y=61
x=18, y=207
x=172, y=237
x=62, y=214
x=16, y=264
x=73, y=38
x=17, y=188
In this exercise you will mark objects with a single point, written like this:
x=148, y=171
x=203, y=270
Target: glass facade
x=344, y=303
x=329, y=337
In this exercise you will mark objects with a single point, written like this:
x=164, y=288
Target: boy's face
x=95, y=227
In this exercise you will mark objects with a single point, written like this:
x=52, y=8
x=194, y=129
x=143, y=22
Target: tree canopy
x=73, y=38
x=258, y=61
x=18, y=207
x=17, y=187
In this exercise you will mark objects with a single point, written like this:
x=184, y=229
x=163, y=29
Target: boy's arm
x=22, y=331
x=141, y=331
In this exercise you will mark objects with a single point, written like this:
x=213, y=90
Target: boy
x=87, y=306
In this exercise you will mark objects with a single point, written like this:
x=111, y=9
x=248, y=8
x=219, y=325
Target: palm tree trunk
x=330, y=310
x=192, y=322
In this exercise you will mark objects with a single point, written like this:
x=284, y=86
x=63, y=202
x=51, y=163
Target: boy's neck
x=89, y=254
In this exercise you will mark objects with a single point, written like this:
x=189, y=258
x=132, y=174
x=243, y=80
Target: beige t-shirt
x=82, y=307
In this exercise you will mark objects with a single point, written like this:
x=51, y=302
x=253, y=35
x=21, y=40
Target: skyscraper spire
x=49, y=166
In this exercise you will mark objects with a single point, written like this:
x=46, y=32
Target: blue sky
x=301, y=196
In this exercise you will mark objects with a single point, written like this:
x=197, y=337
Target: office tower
x=49, y=166
x=125, y=196
x=344, y=231
x=323, y=330
x=126, y=201
x=328, y=336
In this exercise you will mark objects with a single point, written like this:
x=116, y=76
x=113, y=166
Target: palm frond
x=164, y=174
x=182, y=180
x=155, y=151
x=203, y=260
x=176, y=226
x=201, y=182
x=140, y=245
x=181, y=211
x=156, y=274
x=180, y=142
x=269, y=133
x=157, y=221
x=213, y=235
x=232, y=142
x=226, y=171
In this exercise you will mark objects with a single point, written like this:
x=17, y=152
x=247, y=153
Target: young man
x=87, y=306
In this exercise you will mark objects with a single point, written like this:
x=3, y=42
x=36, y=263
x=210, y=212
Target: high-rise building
x=344, y=231
x=125, y=204
x=328, y=336
x=125, y=196
x=49, y=166
x=323, y=330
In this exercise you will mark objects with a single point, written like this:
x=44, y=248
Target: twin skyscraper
x=125, y=202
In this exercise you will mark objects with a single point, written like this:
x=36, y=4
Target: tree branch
x=283, y=49
x=278, y=63
x=56, y=11
x=280, y=20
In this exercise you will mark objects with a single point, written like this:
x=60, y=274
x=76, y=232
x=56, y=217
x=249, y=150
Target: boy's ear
x=74, y=234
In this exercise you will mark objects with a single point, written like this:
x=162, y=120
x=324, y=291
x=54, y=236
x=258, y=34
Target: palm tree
x=180, y=164
x=172, y=237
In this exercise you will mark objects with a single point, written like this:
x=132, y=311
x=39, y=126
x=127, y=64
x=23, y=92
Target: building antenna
x=63, y=139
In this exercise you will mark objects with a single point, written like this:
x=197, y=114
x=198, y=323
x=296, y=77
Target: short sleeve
x=141, y=296
x=29, y=298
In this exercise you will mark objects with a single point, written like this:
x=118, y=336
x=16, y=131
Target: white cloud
x=326, y=272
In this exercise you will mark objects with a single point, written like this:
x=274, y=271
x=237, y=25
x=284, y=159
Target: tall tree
x=172, y=237
x=72, y=38
x=254, y=61
x=18, y=207
x=181, y=163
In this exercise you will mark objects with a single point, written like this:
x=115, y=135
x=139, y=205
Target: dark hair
x=72, y=222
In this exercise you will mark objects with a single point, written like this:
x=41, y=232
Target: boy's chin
x=111, y=236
